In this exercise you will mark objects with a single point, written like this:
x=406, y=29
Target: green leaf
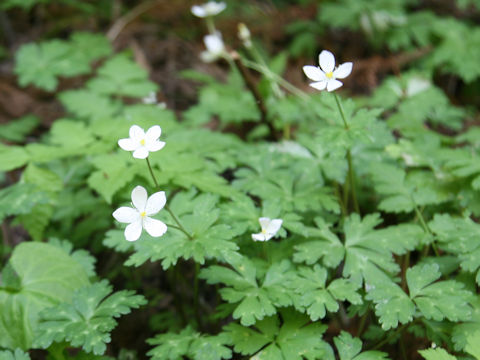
x=70, y=134
x=88, y=319
x=18, y=129
x=325, y=246
x=473, y=345
x=462, y=331
x=349, y=348
x=88, y=105
x=121, y=76
x=289, y=336
x=403, y=192
x=199, y=216
x=48, y=276
x=318, y=298
x=12, y=157
x=253, y=301
x=191, y=344
x=81, y=256
x=17, y=355
x=436, y=354
x=440, y=300
x=459, y=236
x=20, y=198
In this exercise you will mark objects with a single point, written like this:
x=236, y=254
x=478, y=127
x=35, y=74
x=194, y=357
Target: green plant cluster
x=379, y=198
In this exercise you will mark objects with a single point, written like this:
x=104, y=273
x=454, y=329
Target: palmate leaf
x=365, y=250
x=88, y=319
x=403, y=192
x=199, y=216
x=434, y=300
x=121, y=76
x=296, y=183
x=20, y=198
x=459, y=236
x=18, y=129
x=436, y=354
x=253, y=300
x=16, y=355
x=349, y=348
x=286, y=336
x=316, y=297
x=88, y=105
x=191, y=344
x=41, y=64
x=41, y=276
x=462, y=331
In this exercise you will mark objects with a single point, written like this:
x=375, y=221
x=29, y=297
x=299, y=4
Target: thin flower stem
x=180, y=227
x=151, y=173
x=427, y=229
x=210, y=25
x=250, y=83
x=351, y=175
x=195, y=293
x=281, y=81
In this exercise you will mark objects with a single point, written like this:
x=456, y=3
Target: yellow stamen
x=329, y=74
x=142, y=142
x=143, y=214
x=264, y=231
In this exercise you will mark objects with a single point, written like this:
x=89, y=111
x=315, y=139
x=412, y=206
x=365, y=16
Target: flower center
x=329, y=74
x=142, y=142
x=143, y=214
x=264, y=232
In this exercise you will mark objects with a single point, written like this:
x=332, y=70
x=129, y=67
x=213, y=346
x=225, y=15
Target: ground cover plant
x=239, y=180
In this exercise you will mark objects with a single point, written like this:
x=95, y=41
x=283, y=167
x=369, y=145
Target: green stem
x=210, y=25
x=180, y=227
x=362, y=324
x=388, y=338
x=426, y=228
x=281, y=81
x=195, y=292
x=151, y=173
x=179, y=224
x=351, y=175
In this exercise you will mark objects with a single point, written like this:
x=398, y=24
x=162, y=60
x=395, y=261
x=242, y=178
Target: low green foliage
x=376, y=255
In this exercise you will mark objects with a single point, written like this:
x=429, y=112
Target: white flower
x=215, y=47
x=326, y=75
x=269, y=229
x=151, y=99
x=142, y=143
x=138, y=217
x=244, y=35
x=211, y=8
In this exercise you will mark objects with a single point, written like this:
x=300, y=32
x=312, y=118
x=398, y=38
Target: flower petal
x=128, y=144
x=214, y=43
x=154, y=227
x=140, y=153
x=154, y=145
x=198, y=11
x=314, y=73
x=326, y=61
x=343, y=70
x=136, y=133
x=274, y=226
x=139, y=198
x=126, y=215
x=155, y=203
x=153, y=133
x=264, y=222
x=321, y=85
x=333, y=84
x=133, y=231
x=258, y=237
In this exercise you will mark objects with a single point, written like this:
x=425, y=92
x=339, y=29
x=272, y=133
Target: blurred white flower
x=215, y=47
x=269, y=229
x=244, y=35
x=211, y=8
x=138, y=216
x=326, y=75
x=142, y=143
x=151, y=99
